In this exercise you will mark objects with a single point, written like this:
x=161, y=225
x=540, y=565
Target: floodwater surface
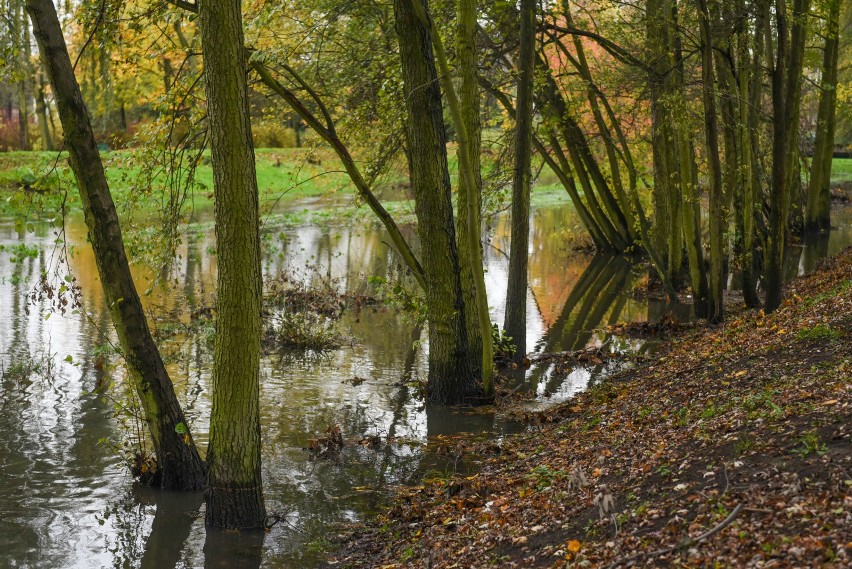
x=66, y=498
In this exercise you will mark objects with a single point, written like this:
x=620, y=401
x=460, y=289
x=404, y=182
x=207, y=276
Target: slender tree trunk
x=469, y=100
x=451, y=379
x=794, y=70
x=235, y=490
x=562, y=171
x=687, y=171
x=819, y=199
x=750, y=85
x=41, y=113
x=515, y=321
x=179, y=464
x=667, y=235
x=714, y=167
x=779, y=197
x=23, y=82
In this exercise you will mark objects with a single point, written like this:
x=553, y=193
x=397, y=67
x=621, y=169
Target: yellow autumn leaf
x=573, y=546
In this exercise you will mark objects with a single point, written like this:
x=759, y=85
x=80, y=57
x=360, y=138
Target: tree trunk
x=179, y=464
x=751, y=84
x=26, y=73
x=468, y=257
x=515, y=321
x=451, y=379
x=41, y=113
x=819, y=199
x=715, y=305
x=794, y=70
x=778, y=196
x=691, y=208
x=235, y=490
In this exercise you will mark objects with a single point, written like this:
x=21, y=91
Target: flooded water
x=66, y=498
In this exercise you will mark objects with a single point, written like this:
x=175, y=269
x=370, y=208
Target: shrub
x=270, y=134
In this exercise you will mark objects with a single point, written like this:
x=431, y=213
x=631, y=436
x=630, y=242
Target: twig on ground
x=685, y=543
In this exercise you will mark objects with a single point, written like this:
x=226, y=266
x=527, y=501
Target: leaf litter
x=731, y=447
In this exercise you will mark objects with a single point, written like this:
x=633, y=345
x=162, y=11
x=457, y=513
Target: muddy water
x=66, y=499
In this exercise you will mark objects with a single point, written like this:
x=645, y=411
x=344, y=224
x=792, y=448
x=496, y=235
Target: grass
x=841, y=170
x=818, y=332
x=284, y=175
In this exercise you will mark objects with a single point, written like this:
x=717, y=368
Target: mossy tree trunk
x=687, y=169
x=468, y=257
x=515, y=322
x=180, y=466
x=818, y=216
x=234, y=492
x=786, y=79
x=451, y=378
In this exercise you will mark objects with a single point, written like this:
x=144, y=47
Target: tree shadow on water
x=176, y=513
x=233, y=549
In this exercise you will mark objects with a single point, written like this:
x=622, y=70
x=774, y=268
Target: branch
x=686, y=543
x=328, y=134
x=184, y=5
x=610, y=46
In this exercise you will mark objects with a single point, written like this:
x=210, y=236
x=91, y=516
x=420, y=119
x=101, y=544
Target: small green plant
x=744, y=444
x=399, y=296
x=407, y=554
x=593, y=422
x=543, y=476
x=504, y=347
x=810, y=443
x=682, y=416
x=134, y=445
x=26, y=366
x=711, y=410
x=818, y=332
x=761, y=404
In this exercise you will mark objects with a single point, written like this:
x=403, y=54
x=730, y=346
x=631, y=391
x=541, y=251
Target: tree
x=515, y=322
x=234, y=490
x=451, y=377
x=179, y=464
x=714, y=167
x=818, y=215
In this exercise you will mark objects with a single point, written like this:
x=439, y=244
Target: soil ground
x=731, y=447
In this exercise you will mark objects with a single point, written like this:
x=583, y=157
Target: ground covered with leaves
x=730, y=448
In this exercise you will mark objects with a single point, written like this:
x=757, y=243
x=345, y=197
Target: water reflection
x=65, y=498
x=175, y=513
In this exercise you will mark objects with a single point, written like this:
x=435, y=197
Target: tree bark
x=26, y=73
x=179, y=464
x=515, y=321
x=451, y=379
x=470, y=246
x=41, y=113
x=819, y=199
x=235, y=490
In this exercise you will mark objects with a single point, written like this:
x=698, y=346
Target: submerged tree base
x=732, y=443
x=235, y=508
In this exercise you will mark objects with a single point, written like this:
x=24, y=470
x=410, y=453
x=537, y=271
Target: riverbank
x=732, y=445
